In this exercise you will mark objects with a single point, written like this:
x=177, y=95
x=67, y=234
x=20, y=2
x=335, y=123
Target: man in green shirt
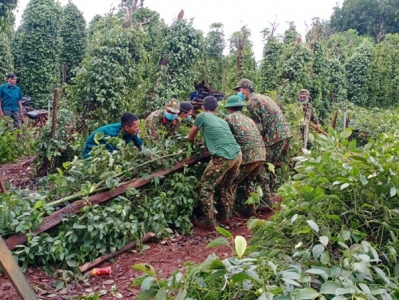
x=10, y=100
x=127, y=129
x=223, y=166
x=252, y=147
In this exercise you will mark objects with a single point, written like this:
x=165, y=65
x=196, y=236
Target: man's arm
x=193, y=133
x=1, y=111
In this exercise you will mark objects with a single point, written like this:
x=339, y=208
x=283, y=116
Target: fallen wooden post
x=56, y=218
x=148, y=236
x=15, y=274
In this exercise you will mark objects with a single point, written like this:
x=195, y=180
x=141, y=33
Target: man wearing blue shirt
x=127, y=129
x=10, y=100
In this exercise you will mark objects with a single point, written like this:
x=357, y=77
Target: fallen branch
x=56, y=218
x=318, y=129
x=148, y=236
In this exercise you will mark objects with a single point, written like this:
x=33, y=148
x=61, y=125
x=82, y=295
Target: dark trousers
x=15, y=116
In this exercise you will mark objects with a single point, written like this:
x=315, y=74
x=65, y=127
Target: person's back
x=218, y=137
x=265, y=112
x=247, y=136
x=223, y=167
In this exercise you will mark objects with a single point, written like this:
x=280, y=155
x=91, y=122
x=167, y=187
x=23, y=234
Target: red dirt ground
x=164, y=257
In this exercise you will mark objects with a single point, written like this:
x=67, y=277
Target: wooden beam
x=56, y=218
x=15, y=274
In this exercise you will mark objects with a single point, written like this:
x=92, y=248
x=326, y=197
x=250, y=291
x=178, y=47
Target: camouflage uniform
x=271, y=124
x=157, y=119
x=219, y=172
x=253, y=150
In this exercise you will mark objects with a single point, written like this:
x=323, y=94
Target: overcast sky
x=233, y=14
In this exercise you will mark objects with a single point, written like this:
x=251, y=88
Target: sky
x=233, y=14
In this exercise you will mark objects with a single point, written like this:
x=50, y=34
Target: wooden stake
x=2, y=187
x=15, y=274
x=63, y=77
x=148, y=236
x=55, y=107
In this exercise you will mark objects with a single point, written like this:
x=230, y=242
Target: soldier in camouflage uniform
x=270, y=121
x=166, y=117
x=223, y=167
x=305, y=101
x=252, y=147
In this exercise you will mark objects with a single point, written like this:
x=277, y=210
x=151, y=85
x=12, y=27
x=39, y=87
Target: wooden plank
x=56, y=218
x=15, y=274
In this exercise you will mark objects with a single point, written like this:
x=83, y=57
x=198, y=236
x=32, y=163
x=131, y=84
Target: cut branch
x=56, y=218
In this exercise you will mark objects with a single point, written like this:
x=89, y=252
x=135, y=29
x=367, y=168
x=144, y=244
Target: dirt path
x=17, y=174
x=165, y=258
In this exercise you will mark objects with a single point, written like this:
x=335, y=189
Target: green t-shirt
x=218, y=137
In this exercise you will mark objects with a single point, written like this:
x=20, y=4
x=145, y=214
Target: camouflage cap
x=304, y=92
x=173, y=105
x=245, y=83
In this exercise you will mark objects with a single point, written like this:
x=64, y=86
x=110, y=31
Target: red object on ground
x=101, y=271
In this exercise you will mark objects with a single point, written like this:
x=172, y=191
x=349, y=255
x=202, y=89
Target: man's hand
x=21, y=115
x=1, y=114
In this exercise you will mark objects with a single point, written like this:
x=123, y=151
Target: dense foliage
x=73, y=34
x=14, y=144
x=369, y=17
x=333, y=237
x=39, y=66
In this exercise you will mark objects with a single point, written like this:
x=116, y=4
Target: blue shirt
x=10, y=95
x=111, y=130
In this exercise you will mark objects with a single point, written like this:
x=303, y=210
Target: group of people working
x=239, y=145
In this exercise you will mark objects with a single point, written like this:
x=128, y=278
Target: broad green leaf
x=345, y=133
x=329, y=288
x=216, y=274
x=72, y=263
x=217, y=265
x=272, y=266
x=317, y=251
x=363, y=179
x=312, y=224
x=147, y=295
x=344, y=186
x=324, y=240
x=182, y=294
x=224, y=232
x=307, y=293
x=381, y=274
x=259, y=191
x=147, y=283
x=364, y=288
x=145, y=268
x=240, y=245
x=161, y=295
x=344, y=291
x=392, y=191
x=272, y=168
x=293, y=219
x=220, y=241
